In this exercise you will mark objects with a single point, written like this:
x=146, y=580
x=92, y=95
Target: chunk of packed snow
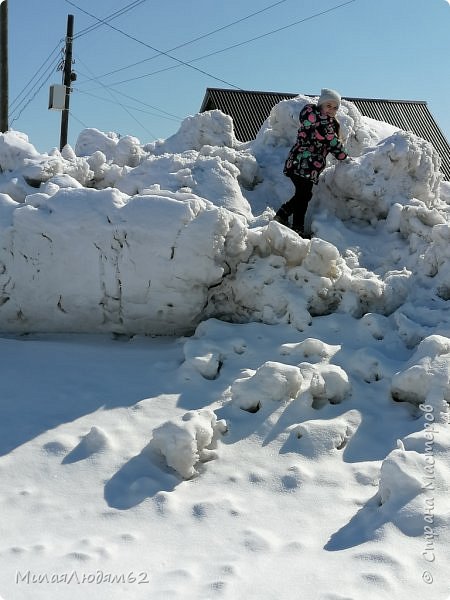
x=396, y=170
x=325, y=383
x=210, y=128
x=310, y=348
x=318, y=437
x=188, y=440
x=272, y=381
x=15, y=150
x=139, y=258
x=205, y=355
x=92, y=140
x=206, y=176
x=94, y=442
x=427, y=370
x=401, y=476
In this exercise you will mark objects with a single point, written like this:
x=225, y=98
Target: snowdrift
x=78, y=229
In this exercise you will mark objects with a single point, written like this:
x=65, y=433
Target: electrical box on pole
x=57, y=97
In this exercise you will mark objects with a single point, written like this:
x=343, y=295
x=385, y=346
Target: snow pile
x=325, y=383
x=121, y=151
x=188, y=440
x=206, y=176
x=203, y=355
x=15, y=151
x=252, y=274
x=311, y=348
x=77, y=259
x=94, y=442
x=411, y=478
x=26, y=169
x=318, y=384
x=425, y=378
x=211, y=128
x=289, y=279
x=319, y=437
x=395, y=171
x=436, y=256
x=400, y=476
x=400, y=489
x=272, y=381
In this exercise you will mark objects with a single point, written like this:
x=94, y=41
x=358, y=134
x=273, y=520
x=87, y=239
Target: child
x=317, y=136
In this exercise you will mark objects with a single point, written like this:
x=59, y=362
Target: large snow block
x=85, y=260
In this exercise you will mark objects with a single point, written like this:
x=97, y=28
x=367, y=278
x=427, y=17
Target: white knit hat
x=327, y=94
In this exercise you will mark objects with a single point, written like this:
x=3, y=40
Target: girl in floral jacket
x=318, y=135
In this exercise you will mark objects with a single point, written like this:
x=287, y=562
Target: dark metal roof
x=249, y=109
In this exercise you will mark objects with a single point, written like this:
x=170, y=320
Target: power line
x=237, y=45
x=112, y=16
x=79, y=120
x=114, y=101
x=34, y=95
x=119, y=103
x=263, y=35
x=177, y=118
x=181, y=62
x=147, y=112
x=200, y=37
x=36, y=75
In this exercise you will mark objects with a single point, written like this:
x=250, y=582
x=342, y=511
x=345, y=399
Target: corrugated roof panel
x=249, y=109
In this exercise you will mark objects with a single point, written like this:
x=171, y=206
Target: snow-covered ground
x=196, y=402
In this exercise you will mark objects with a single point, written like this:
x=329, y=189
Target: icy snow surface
x=197, y=403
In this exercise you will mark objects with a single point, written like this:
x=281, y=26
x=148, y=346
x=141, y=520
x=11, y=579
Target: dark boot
x=303, y=234
x=282, y=217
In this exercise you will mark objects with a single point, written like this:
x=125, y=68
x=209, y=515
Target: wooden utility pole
x=67, y=81
x=4, y=66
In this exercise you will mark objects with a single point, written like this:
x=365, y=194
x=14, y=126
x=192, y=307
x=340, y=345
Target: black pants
x=298, y=204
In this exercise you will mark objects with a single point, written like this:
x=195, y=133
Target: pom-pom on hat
x=326, y=95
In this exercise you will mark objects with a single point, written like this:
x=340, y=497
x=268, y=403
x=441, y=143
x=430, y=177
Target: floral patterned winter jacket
x=317, y=136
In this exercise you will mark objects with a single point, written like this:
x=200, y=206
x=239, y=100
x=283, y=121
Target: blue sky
x=382, y=49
